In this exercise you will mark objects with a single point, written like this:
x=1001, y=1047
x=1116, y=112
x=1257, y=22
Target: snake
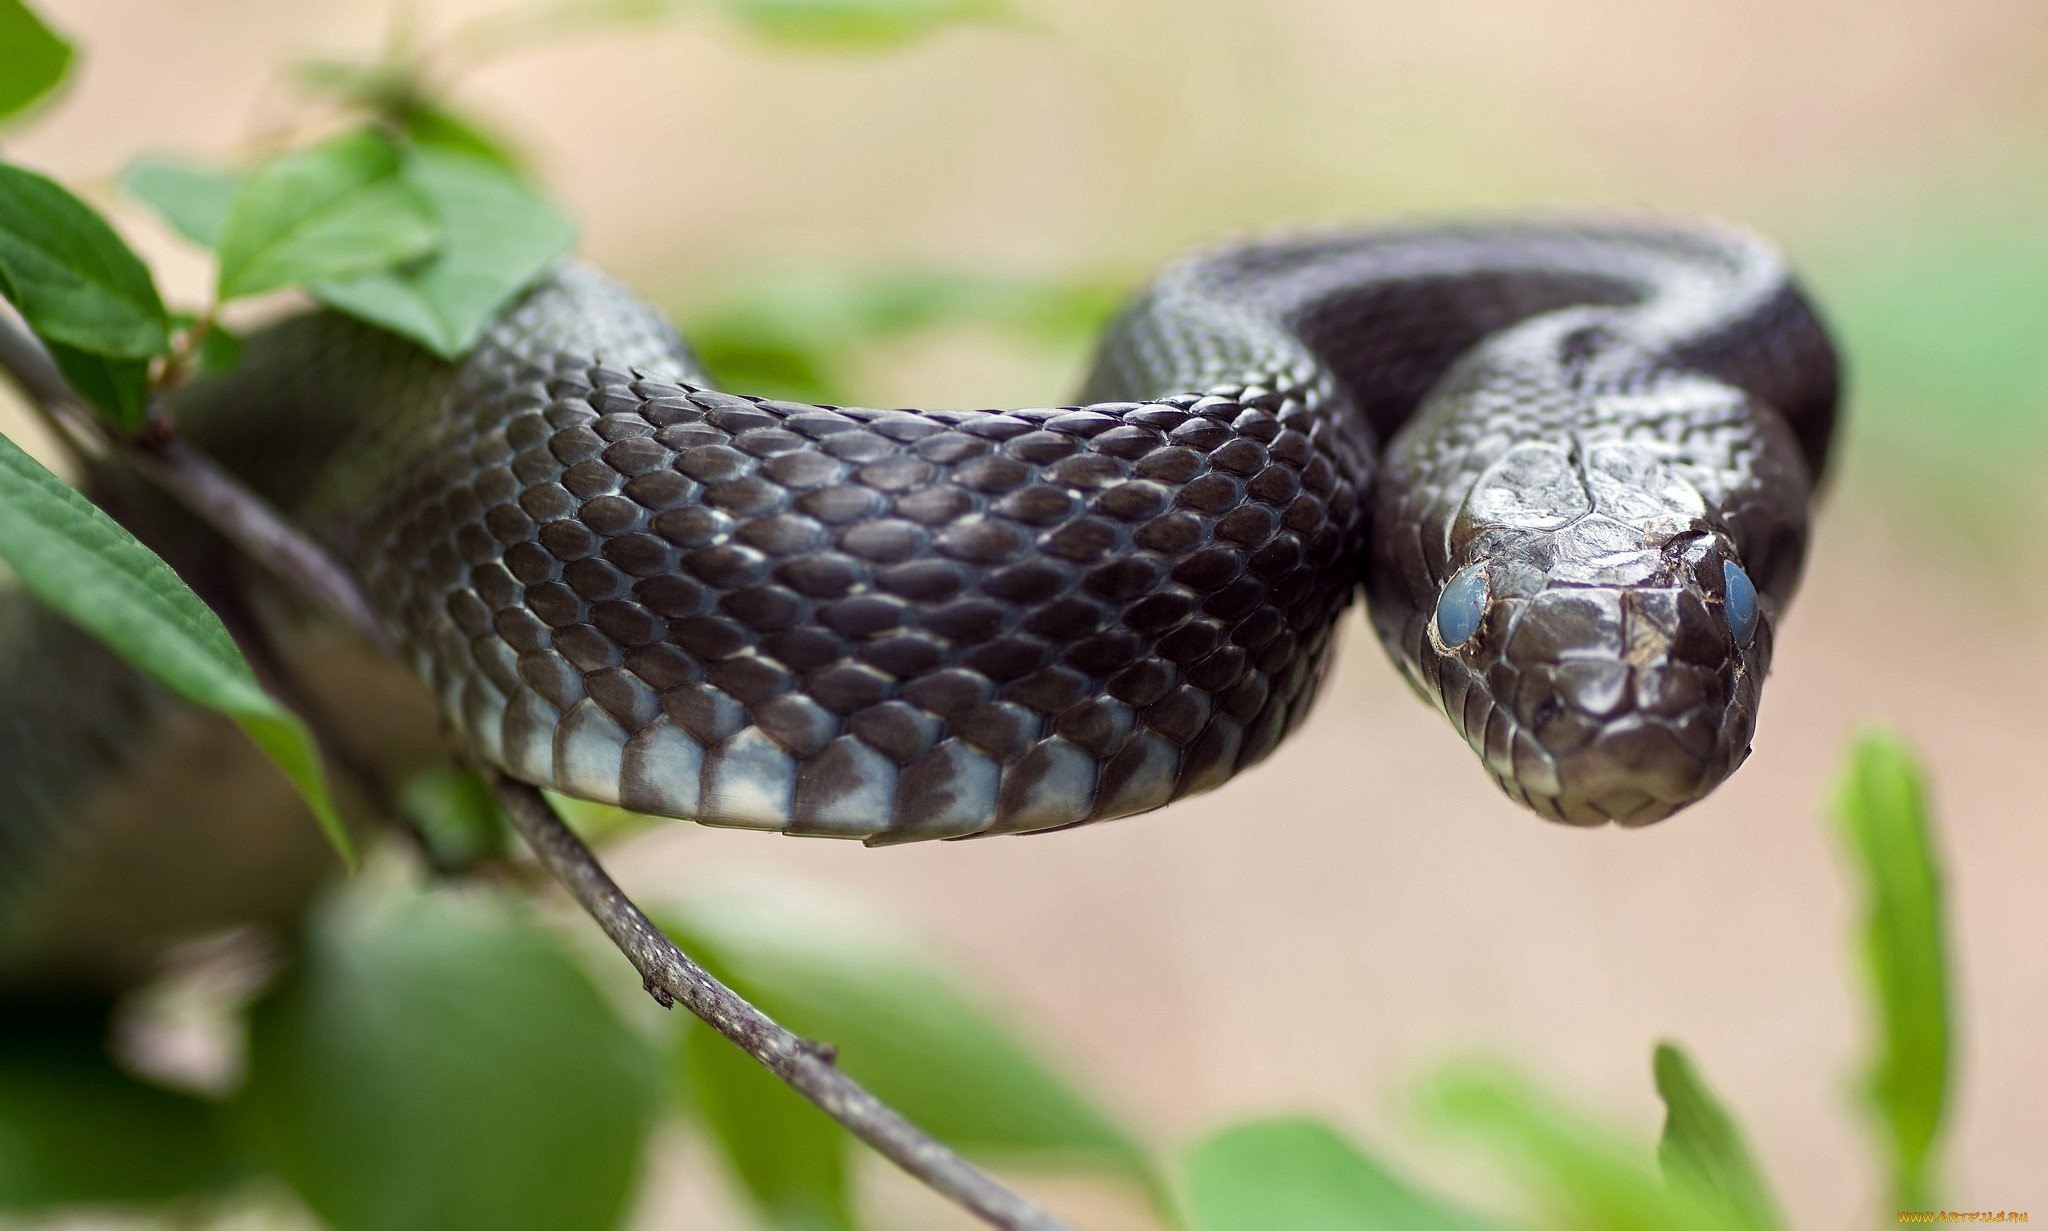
x=1569, y=462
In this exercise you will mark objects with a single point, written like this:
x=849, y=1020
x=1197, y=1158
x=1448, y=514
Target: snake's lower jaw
x=1637, y=769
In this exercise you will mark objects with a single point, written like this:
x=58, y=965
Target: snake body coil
x=1570, y=463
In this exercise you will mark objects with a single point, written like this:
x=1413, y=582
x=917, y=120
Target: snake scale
x=1570, y=462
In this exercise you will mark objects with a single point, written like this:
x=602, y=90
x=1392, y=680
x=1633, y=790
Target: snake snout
x=1629, y=704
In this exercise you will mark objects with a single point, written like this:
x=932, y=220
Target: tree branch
x=246, y=519
x=670, y=976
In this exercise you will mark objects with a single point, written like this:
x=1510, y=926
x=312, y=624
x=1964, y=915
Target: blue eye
x=1739, y=602
x=1461, y=606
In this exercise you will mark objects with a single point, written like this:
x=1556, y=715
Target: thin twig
x=669, y=974
x=255, y=526
x=224, y=502
x=672, y=978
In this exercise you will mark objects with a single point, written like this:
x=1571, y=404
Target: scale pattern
x=619, y=582
x=879, y=624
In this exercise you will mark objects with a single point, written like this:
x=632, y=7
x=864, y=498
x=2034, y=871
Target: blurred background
x=1365, y=903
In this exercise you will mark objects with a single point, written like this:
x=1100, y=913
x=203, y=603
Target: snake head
x=1593, y=634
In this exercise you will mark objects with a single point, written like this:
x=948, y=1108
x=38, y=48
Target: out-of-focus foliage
x=339, y=209
x=90, y=299
x=497, y=236
x=793, y=1163
x=81, y=562
x=798, y=333
x=839, y=25
x=902, y=1026
x=440, y=1061
x=455, y=816
x=1703, y=1148
x=857, y=23
x=195, y=200
x=1882, y=814
x=33, y=59
x=1580, y=1174
x=75, y=1129
x=1301, y=1173
x=1936, y=300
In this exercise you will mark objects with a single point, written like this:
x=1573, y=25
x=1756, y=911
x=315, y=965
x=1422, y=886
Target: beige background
x=1323, y=930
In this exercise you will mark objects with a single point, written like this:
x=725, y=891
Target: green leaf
x=500, y=238
x=77, y=1131
x=1584, y=1176
x=857, y=23
x=439, y=1061
x=455, y=815
x=32, y=58
x=1300, y=1175
x=1703, y=1147
x=788, y=1156
x=71, y=277
x=220, y=350
x=117, y=388
x=1881, y=811
x=376, y=84
x=337, y=210
x=437, y=127
x=81, y=562
x=796, y=333
x=194, y=200
x=956, y=1068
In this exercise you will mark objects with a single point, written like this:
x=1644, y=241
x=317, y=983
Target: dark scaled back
x=879, y=624
x=622, y=583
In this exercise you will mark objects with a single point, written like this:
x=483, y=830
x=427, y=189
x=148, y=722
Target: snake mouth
x=1624, y=806
x=1607, y=704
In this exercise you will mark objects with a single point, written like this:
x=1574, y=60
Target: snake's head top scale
x=1595, y=635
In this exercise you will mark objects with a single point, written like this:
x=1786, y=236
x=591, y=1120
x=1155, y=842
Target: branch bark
x=259, y=531
x=672, y=978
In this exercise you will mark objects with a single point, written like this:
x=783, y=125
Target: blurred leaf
x=83, y=564
x=395, y=93
x=597, y=823
x=71, y=277
x=453, y=811
x=857, y=23
x=436, y=127
x=794, y=334
x=32, y=58
x=788, y=1156
x=902, y=1027
x=439, y=1061
x=117, y=388
x=219, y=350
x=368, y=83
x=1585, y=1177
x=195, y=200
x=1300, y=1175
x=339, y=209
x=500, y=238
x=75, y=1130
x=1703, y=1147
x=1932, y=287
x=1881, y=811
x=494, y=33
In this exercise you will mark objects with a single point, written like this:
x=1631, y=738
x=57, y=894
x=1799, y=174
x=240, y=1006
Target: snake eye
x=1461, y=607
x=1739, y=602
